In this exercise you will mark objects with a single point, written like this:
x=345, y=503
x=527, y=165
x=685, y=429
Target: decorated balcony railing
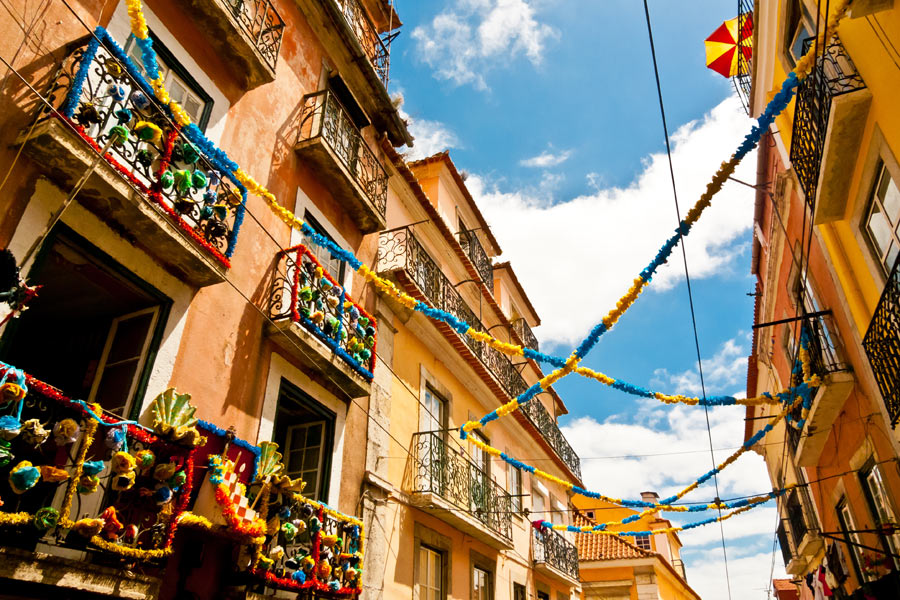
x=544, y=423
x=305, y=293
x=882, y=344
x=375, y=46
x=833, y=76
x=357, y=176
x=475, y=251
x=551, y=548
x=742, y=80
x=399, y=250
x=523, y=330
x=825, y=356
x=105, y=104
x=445, y=471
x=802, y=535
x=262, y=25
x=74, y=477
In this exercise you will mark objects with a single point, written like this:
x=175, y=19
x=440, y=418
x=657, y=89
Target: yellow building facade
x=825, y=249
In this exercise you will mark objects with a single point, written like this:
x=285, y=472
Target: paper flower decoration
x=23, y=477
x=88, y=527
x=53, y=474
x=65, y=432
x=145, y=460
x=9, y=427
x=92, y=467
x=33, y=432
x=111, y=524
x=46, y=518
x=115, y=438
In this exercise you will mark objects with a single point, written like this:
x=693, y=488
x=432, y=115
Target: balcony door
x=432, y=428
x=480, y=480
x=94, y=328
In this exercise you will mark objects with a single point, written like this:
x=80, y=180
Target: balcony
x=882, y=344
x=826, y=361
x=802, y=531
x=72, y=524
x=543, y=422
x=401, y=254
x=475, y=251
x=526, y=336
x=246, y=33
x=317, y=323
x=374, y=46
x=156, y=188
x=445, y=483
x=743, y=80
x=829, y=118
x=554, y=556
x=331, y=142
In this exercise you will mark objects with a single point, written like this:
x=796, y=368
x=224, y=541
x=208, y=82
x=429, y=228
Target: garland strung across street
x=563, y=367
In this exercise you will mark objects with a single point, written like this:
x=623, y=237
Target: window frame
x=322, y=413
x=441, y=560
x=790, y=36
x=847, y=526
x=881, y=171
x=639, y=542
x=890, y=544
x=314, y=223
x=514, y=483
x=479, y=562
x=169, y=59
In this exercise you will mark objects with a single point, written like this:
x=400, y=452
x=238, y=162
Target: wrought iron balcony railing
x=523, y=330
x=305, y=293
x=325, y=118
x=447, y=472
x=398, y=249
x=375, y=46
x=550, y=547
x=742, y=80
x=262, y=24
x=834, y=75
x=825, y=355
x=110, y=104
x=475, y=251
x=882, y=344
x=800, y=518
x=544, y=423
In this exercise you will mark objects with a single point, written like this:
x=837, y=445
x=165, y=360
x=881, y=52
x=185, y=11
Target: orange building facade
x=826, y=181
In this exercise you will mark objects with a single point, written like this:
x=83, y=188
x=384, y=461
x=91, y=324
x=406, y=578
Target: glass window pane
x=890, y=196
x=131, y=335
x=176, y=88
x=879, y=229
x=891, y=255
x=311, y=460
x=192, y=106
x=314, y=435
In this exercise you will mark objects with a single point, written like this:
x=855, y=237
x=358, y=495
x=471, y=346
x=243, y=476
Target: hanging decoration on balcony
x=13, y=289
x=724, y=44
x=246, y=496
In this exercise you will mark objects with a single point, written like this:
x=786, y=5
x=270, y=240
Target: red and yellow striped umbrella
x=722, y=46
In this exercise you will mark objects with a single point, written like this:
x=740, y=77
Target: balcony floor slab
x=437, y=506
x=303, y=345
x=826, y=406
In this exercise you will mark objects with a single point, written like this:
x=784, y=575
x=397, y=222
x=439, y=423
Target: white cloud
x=598, y=243
x=546, y=159
x=431, y=137
x=464, y=41
x=750, y=576
x=726, y=369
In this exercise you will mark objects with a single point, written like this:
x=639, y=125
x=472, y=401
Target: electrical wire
x=687, y=277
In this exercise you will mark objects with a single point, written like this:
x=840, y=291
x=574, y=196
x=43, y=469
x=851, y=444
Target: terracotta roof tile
x=604, y=547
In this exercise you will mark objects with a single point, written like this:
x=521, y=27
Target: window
x=482, y=584
x=882, y=222
x=182, y=88
x=519, y=591
x=432, y=411
x=845, y=522
x=589, y=514
x=798, y=24
x=431, y=569
x=335, y=266
x=537, y=502
x=643, y=542
x=304, y=431
x=515, y=487
x=880, y=506
x=93, y=330
x=480, y=479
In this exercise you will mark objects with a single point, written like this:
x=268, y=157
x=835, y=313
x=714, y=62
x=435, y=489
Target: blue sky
x=551, y=107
